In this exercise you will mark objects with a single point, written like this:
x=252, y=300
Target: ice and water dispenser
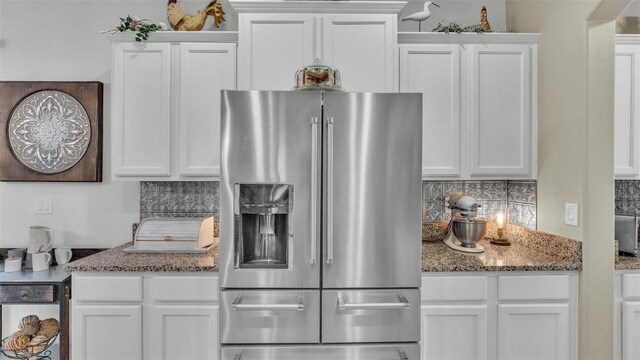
x=263, y=225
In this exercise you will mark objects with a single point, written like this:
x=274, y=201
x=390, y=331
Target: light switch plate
x=571, y=214
x=44, y=205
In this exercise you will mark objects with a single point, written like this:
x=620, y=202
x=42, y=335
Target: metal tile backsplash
x=627, y=196
x=179, y=199
x=518, y=198
x=202, y=199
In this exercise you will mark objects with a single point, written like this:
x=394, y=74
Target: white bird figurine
x=421, y=16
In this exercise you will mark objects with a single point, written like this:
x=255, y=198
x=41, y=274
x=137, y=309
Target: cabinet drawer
x=185, y=288
x=454, y=288
x=26, y=294
x=107, y=288
x=534, y=287
x=631, y=286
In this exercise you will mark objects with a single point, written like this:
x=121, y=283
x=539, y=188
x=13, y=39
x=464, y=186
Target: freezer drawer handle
x=329, y=190
x=238, y=305
x=402, y=304
x=314, y=188
x=403, y=355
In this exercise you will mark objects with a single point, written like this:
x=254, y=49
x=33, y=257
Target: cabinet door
x=443, y=327
x=627, y=116
x=107, y=332
x=184, y=332
x=141, y=118
x=272, y=48
x=502, y=121
x=362, y=48
x=630, y=330
x=205, y=70
x=434, y=71
x=534, y=331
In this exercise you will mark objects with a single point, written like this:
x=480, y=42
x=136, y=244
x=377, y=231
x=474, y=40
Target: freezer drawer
x=370, y=315
x=270, y=317
x=324, y=352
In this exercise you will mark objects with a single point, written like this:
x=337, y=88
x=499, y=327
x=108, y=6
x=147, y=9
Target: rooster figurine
x=195, y=22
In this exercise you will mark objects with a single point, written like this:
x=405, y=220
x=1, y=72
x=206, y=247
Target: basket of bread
x=33, y=339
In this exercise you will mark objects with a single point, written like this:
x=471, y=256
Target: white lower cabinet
x=152, y=319
x=443, y=327
x=106, y=332
x=184, y=332
x=534, y=331
x=631, y=329
x=507, y=316
x=627, y=315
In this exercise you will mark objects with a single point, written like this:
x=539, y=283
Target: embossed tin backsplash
x=517, y=198
x=201, y=199
x=179, y=199
x=627, y=196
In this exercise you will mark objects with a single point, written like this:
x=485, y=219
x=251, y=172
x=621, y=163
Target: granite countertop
x=529, y=251
x=116, y=259
x=627, y=263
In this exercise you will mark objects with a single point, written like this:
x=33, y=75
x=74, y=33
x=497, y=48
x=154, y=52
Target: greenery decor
x=457, y=28
x=140, y=26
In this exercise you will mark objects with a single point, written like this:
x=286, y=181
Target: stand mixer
x=465, y=228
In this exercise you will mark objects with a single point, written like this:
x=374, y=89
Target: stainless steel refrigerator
x=320, y=225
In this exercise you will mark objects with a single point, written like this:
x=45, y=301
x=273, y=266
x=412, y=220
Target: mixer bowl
x=469, y=232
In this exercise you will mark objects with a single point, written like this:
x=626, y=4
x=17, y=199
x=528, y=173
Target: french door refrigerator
x=320, y=225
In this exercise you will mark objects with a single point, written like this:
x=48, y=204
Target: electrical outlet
x=44, y=205
x=571, y=214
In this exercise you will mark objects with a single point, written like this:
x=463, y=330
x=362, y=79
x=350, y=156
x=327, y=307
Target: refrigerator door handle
x=402, y=304
x=314, y=188
x=237, y=305
x=329, y=190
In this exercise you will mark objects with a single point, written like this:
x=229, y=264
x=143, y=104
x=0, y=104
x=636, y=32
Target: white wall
x=463, y=12
x=575, y=147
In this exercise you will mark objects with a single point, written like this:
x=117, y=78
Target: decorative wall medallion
x=49, y=131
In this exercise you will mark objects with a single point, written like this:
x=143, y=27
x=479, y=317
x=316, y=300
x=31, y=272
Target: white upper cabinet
x=205, y=70
x=166, y=105
x=479, y=103
x=434, y=71
x=276, y=38
x=272, y=48
x=627, y=104
x=362, y=48
x=501, y=115
x=141, y=115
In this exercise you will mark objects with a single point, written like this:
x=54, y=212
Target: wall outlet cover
x=571, y=214
x=44, y=205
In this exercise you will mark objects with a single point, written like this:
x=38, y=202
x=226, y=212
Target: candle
x=500, y=219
